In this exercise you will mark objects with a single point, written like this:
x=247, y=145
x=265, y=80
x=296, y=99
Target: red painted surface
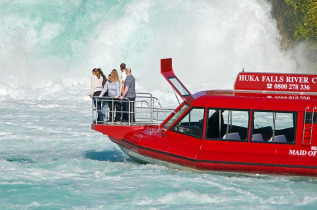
x=202, y=154
x=117, y=132
x=276, y=82
x=167, y=72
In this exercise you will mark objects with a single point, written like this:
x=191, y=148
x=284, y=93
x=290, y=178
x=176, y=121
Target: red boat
x=264, y=125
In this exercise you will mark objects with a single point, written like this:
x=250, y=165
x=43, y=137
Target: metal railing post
x=96, y=109
x=304, y=126
x=312, y=125
x=112, y=108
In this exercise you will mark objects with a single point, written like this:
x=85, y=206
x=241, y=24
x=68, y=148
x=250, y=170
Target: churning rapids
x=49, y=157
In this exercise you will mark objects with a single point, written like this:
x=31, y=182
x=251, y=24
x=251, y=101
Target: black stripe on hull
x=216, y=161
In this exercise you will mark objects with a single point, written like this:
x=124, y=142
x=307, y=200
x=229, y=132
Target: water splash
x=210, y=42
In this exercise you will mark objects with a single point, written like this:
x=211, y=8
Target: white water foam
x=209, y=43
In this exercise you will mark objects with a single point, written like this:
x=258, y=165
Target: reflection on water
x=19, y=160
x=107, y=155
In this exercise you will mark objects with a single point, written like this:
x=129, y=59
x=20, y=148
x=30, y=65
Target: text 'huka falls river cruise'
x=265, y=125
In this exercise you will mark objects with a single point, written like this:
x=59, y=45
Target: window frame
x=228, y=140
x=184, y=115
x=181, y=84
x=295, y=122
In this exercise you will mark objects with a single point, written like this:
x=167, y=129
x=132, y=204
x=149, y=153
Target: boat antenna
x=176, y=96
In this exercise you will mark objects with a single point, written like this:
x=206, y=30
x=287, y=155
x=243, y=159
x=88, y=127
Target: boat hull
x=145, y=155
x=141, y=159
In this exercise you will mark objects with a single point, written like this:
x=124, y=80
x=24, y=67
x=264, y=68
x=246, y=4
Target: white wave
x=210, y=41
x=5, y=133
x=33, y=204
x=189, y=198
x=48, y=106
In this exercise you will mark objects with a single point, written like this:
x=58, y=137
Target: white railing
x=146, y=109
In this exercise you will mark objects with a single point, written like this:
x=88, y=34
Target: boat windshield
x=179, y=87
x=176, y=116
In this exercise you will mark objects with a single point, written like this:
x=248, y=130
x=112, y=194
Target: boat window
x=274, y=127
x=180, y=88
x=227, y=124
x=309, y=118
x=176, y=116
x=192, y=124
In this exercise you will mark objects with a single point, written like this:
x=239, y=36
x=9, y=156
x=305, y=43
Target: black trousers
x=128, y=106
x=114, y=105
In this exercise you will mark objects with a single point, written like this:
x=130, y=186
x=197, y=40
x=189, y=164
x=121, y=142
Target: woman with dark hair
x=103, y=76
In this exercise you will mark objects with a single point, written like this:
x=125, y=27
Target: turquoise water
x=49, y=156
x=50, y=159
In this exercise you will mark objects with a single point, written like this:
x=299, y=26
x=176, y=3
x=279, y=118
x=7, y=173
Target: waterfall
x=59, y=42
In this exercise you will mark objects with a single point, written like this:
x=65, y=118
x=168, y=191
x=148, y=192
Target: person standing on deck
x=128, y=97
x=123, y=76
x=122, y=79
x=96, y=83
x=96, y=88
x=92, y=90
x=113, y=88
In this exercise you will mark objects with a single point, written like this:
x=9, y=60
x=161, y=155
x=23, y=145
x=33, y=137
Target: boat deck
x=127, y=124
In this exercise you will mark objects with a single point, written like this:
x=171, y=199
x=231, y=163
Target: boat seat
x=232, y=136
x=279, y=138
x=257, y=137
x=266, y=132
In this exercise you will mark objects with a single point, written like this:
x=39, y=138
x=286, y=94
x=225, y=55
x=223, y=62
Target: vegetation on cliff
x=297, y=21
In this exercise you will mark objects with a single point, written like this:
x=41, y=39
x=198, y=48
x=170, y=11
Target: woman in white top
x=113, y=88
x=96, y=83
x=96, y=88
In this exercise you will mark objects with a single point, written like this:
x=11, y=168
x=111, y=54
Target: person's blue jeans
x=97, y=103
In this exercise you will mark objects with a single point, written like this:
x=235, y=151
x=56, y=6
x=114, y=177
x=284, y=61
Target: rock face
x=297, y=23
x=296, y=20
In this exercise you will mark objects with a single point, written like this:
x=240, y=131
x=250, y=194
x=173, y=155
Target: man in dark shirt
x=128, y=97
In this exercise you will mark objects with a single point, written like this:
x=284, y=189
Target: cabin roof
x=254, y=100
